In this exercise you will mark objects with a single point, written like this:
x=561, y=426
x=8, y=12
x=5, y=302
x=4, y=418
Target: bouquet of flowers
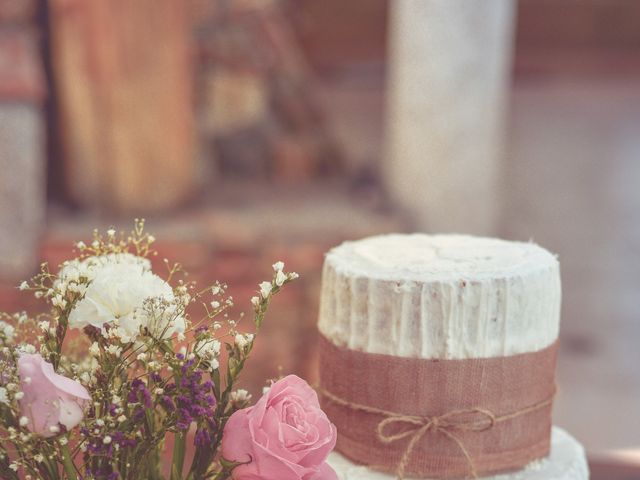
x=143, y=375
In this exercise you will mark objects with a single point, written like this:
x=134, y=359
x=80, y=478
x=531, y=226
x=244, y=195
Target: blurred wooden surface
x=123, y=76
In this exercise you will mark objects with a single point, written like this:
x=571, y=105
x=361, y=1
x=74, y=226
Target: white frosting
x=567, y=461
x=440, y=296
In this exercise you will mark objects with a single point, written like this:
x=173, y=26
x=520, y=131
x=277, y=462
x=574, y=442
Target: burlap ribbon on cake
x=439, y=418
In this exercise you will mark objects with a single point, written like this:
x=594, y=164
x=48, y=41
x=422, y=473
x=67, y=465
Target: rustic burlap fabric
x=439, y=418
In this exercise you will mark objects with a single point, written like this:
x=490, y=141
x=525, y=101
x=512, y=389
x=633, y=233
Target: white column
x=22, y=189
x=449, y=72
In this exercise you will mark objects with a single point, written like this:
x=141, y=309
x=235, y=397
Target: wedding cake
x=437, y=359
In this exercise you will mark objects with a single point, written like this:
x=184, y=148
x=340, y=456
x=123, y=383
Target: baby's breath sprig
x=238, y=351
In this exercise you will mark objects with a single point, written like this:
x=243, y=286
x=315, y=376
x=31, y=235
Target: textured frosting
x=440, y=296
x=566, y=462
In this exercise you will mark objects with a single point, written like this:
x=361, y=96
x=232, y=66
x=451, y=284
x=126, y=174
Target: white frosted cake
x=446, y=297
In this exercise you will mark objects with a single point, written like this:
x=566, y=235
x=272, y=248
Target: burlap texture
x=506, y=387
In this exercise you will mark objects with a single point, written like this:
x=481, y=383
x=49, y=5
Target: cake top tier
x=424, y=258
x=440, y=296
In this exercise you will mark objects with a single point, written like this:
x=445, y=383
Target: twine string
x=465, y=420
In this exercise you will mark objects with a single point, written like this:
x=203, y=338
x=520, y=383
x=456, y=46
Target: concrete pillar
x=22, y=158
x=449, y=64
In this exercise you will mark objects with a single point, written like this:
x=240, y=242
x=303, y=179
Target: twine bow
x=469, y=420
x=476, y=420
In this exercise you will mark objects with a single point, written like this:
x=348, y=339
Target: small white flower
x=114, y=350
x=27, y=380
x=81, y=245
x=265, y=289
x=158, y=391
x=142, y=357
x=240, y=395
x=59, y=302
x=278, y=266
x=4, y=398
x=63, y=441
x=54, y=429
x=18, y=395
x=24, y=421
x=281, y=277
x=215, y=304
x=293, y=275
x=100, y=422
x=208, y=348
x=14, y=466
x=38, y=457
x=24, y=286
x=265, y=390
x=214, y=364
x=151, y=238
x=122, y=418
x=106, y=440
x=215, y=290
x=181, y=337
x=111, y=232
x=95, y=244
x=255, y=301
x=243, y=340
x=7, y=330
x=94, y=349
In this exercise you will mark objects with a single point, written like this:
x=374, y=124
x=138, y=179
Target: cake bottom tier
x=567, y=461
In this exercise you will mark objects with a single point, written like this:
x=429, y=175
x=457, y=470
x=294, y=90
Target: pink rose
x=49, y=399
x=285, y=436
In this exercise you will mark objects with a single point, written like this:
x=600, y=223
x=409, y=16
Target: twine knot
x=415, y=427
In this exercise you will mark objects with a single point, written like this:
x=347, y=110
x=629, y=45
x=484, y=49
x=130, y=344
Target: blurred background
x=250, y=131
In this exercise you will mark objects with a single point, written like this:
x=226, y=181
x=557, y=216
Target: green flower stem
x=67, y=462
x=177, y=462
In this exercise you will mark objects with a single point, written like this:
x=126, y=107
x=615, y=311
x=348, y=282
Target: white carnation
x=117, y=295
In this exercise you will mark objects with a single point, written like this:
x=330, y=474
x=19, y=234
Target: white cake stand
x=567, y=461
